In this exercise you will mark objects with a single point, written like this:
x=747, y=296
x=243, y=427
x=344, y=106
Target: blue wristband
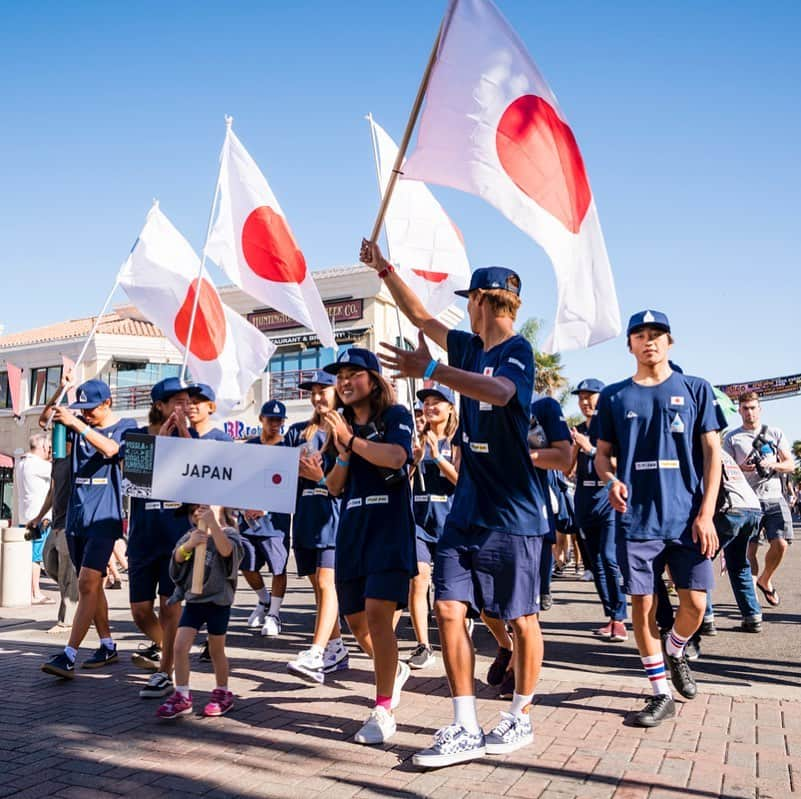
x=321, y=482
x=439, y=459
x=342, y=463
x=611, y=483
x=432, y=365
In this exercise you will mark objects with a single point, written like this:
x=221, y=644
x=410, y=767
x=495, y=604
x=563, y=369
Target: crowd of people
x=479, y=497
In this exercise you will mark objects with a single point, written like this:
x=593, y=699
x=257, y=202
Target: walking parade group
x=468, y=499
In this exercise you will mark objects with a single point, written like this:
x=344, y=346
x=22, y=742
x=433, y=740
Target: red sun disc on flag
x=540, y=154
x=208, y=334
x=431, y=277
x=277, y=479
x=269, y=247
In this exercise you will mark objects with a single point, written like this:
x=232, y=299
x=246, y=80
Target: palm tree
x=548, y=379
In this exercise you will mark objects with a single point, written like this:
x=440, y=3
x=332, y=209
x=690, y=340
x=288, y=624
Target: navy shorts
x=494, y=572
x=90, y=553
x=642, y=563
x=392, y=586
x=274, y=552
x=776, y=520
x=215, y=617
x=308, y=559
x=426, y=551
x=148, y=578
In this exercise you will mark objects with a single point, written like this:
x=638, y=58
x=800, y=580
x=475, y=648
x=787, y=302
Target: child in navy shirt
x=661, y=426
x=375, y=554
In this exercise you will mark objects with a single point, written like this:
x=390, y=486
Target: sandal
x=43, y=600
x=771, y=597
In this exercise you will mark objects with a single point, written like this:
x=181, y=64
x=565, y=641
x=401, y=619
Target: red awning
x=6, y=461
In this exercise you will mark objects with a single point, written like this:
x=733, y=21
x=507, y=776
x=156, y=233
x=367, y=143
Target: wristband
x=439, y=459
x=321, y=482
x=386, y=270
x=593, y=450
x=342, y=463
x=85, y=431
x=611, y=483
x=432, y=365
x=349, y=445
x=187, y=553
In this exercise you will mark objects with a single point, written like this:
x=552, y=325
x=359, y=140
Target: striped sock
x=674, y=644
x=654, y=666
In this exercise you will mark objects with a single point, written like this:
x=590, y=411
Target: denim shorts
x=776, y=520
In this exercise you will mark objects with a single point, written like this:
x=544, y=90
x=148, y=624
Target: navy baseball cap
x=273, y=409
x=591, y=384
x=318, y=378
x=91, y=394
x=166, y=388
x=492, y=277
x=648, y=319
x=437, y=390
x=202, y=390
x=356, y=357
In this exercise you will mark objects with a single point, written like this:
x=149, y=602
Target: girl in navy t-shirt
x=433, y=484
x=375, y=552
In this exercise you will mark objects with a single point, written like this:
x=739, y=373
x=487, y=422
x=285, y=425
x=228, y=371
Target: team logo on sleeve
x=631, y=415
x=517, y=363
x=677, y=400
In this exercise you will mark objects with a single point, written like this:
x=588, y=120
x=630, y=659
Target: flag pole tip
x=229, y=120
x=155, y=202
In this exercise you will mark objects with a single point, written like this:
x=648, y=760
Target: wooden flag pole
x=407, y=135
x=228, y=122
x=199, y=565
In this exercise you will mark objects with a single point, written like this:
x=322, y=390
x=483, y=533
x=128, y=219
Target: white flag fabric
x=253, y=244
x=492, y=127
x=425, y=246
x=161, y=278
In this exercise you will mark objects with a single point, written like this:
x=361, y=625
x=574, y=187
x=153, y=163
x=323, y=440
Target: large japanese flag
x=492, y=127
x=424, y=244
x=161, y=278
x=253, y=244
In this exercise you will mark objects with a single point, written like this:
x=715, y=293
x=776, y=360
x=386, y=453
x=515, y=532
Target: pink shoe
x=605, y=631
x=619, y=633
x=176, y=705
x=221, y=703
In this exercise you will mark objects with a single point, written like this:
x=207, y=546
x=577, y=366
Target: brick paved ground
x=94, y=738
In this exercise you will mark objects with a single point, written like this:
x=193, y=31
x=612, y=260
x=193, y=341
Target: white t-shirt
x=34, y=483
x=738, y=443
x=741, y=495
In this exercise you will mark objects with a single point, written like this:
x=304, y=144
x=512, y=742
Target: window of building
x=45, y=381
x=131, y=373
x=5, y=392
x=290, y=366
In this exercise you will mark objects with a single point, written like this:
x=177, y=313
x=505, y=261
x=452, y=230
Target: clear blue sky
x=687, y=114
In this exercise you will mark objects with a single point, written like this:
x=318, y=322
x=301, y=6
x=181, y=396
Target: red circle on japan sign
x=277, y=479
x=540, y=154
x=269, y=247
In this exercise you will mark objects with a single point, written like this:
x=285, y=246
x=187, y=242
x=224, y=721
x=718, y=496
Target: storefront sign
x=769, y=388
x=211, y=472
x=267, y=319
x=310, y=339
x=240, y=430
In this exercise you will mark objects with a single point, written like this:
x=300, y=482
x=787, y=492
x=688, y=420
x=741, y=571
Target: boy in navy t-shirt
x=488, y=556
x=662, y=427
x=94, y=517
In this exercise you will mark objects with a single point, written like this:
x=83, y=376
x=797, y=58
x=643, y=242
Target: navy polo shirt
x=215, y=434
x=271, y=525
x=376, y=527
x=592, y=498
x=432, y=505
x=656, y=435
x=548, y=425
x=95, y=506
x=316, y=511
x=497, y=487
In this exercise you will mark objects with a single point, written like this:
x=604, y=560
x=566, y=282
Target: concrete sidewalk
x=93, y=737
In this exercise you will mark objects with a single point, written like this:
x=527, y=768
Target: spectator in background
x=34, y=485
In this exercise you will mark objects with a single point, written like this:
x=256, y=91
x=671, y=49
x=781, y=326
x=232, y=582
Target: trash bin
x=16, y=568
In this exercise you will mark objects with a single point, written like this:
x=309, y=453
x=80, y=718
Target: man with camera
x=764, y=456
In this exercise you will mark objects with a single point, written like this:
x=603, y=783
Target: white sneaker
x=335, y=658
x=256, y=618
x=400, y=680
x=452, y=744
x=271, y=627
x=379, y=727
x=308, y=666
x=587, y=576
x=511, y=733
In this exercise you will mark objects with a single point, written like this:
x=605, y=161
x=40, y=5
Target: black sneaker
x=60, y=666
x=693, y=649
x=546, y=602
x=507, y=687
x=499, y=666
x=708, y=628
x=102, y=657
x=751, y=626
x=656, y=710
x=422, y=656
x=681, y=676
x=147, y=657
x=204, y=655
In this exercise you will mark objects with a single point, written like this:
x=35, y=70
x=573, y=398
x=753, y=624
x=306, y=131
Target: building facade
x=131, y=354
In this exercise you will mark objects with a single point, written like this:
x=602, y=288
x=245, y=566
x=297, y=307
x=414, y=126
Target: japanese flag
x=492, y=127
x=252, y=243
x=161, y=278
x=424, y=244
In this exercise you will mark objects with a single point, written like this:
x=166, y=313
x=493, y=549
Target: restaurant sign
x=267, y=319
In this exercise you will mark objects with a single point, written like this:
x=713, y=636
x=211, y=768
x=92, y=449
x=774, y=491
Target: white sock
x=464, y=713
x=263, y=595
x=222, y=688
x=520, y=703
x=71, y=653
x=107, y=642
x=674, y=644
x=183, y=690
x=275, y=605
x=654, y=666
x=316, y=650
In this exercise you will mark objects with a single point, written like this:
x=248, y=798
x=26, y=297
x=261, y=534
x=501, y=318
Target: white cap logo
x=649, y=317
x=82, y=397
x=345, y=357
